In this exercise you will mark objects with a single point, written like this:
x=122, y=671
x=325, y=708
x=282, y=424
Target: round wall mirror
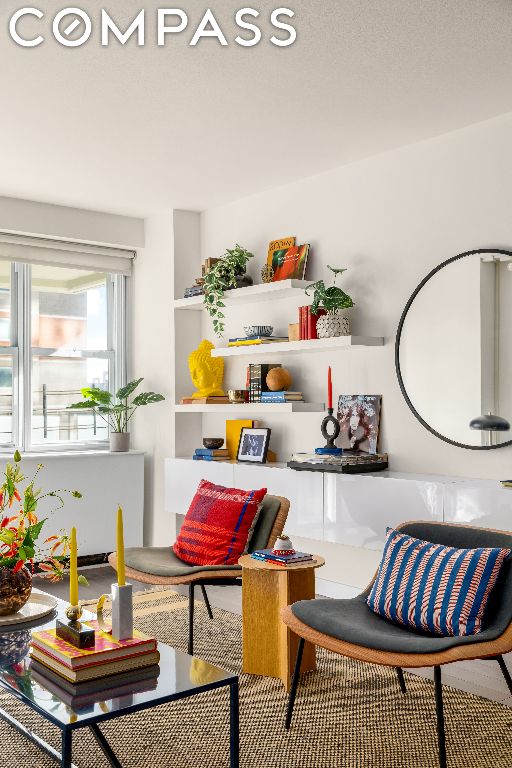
x=453, y=350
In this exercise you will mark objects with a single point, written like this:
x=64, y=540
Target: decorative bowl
x=237, y=396
x=213, y=442
x=283, y=546
x=258, y=330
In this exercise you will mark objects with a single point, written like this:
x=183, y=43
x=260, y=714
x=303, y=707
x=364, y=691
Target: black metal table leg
x=401, y=679
x=506, y=673
x=206, y=601
x=35, y=739
x=105, y=746
x=65, y=759
x=295, y=683
x=190, y=649
x=441, y=738
x=234, y=726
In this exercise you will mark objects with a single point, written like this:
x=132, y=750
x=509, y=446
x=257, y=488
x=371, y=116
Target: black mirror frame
x=399, y=336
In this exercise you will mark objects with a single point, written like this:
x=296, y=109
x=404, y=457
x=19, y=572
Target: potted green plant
x=228, y=272
x=116, y=410
x=20, y=531
x=332, y=300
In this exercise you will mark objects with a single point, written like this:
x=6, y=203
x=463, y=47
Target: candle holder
x=122, y=612
x=73, y=631
x=330, y=449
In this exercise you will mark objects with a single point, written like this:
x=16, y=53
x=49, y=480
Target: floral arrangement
x=20, y=526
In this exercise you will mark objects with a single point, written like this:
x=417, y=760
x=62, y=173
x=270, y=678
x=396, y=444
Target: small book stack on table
x=281, y=397
x=211, y=454
x=61, y=662
x=269, y=556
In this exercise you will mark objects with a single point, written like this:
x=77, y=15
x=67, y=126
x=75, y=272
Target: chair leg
x=506, y=673
x=295, y=683
x=191, y=619
x=401, y=679
x=206, y=601
x=441, y=738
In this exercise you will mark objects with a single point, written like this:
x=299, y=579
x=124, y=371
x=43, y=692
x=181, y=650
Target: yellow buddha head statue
x=206, y=371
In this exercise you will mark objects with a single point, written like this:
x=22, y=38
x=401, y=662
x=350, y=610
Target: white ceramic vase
x=119, y=442
x=332, y=324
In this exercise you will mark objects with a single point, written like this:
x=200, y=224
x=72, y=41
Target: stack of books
x=268, y=556
x=55, y=658
x=281, y=397
x=211, y=454
x=211, y=400
x=307, y=323
x=247, y=341
x=257, y=376
x=349, y=462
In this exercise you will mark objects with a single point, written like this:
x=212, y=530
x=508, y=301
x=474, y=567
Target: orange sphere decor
x=279, y=379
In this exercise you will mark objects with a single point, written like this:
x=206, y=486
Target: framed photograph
x=253, y=445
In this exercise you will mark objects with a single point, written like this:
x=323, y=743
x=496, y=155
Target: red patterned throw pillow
x=218, y=524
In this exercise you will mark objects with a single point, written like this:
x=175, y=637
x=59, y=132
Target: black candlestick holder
x=330, y=448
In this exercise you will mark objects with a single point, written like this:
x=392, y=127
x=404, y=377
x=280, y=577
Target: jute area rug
x=347, y=715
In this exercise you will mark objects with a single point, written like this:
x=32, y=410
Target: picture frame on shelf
x=253, y=445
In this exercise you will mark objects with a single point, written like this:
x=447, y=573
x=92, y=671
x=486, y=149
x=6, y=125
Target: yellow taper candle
x=121, y=578
x=73, y=569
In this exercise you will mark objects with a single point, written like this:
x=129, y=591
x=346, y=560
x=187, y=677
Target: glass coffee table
x=179, y=676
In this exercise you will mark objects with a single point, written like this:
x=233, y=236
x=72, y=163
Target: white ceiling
x=134, y=130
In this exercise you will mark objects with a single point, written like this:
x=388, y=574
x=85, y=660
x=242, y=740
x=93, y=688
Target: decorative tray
x=345, y=469
x=39, y=604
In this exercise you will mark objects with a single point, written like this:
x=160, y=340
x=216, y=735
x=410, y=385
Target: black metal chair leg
x=441, y=738
x=506, y=673
x=190, y=619
x=401, y=679
x=206, y=601
x=295, y=683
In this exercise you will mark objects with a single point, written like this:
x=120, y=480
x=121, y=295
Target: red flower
x=18, y=566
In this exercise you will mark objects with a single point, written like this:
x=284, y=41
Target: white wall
x=390, y=219
x=61, y=222
x=152, y=341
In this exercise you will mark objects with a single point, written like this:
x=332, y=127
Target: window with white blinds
x=62, y=328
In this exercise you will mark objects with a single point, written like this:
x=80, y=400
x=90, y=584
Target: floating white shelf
x=250, y=408
x=281, y=289
x=313, y=345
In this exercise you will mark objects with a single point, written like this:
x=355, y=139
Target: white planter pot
x=332, y=324
x=119, y=442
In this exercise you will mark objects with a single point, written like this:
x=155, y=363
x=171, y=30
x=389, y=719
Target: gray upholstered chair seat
x=353, y=622
x=161, y=561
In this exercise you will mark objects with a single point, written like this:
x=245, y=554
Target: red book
x=312, y=334
x=301, y=323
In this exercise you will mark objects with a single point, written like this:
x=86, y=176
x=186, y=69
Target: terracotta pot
x=119, y=442
x=15, y=589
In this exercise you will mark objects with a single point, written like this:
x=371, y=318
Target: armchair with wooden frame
x=160, y=566
x=350, y=628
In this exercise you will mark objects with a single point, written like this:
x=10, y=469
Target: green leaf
x=17, y=456
x=76, y=494
x=35, y=530
x=99, y=395
x=83, y=581
x=145, y=398
x=84, y=405
x=127, y=390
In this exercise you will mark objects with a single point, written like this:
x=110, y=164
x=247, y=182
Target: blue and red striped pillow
x=432, y=587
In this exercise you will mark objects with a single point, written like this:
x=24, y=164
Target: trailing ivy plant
x=220, y=278
x=116, y=410
x=331, y=298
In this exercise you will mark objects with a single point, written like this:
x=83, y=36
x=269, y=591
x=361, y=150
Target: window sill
x=50, y=454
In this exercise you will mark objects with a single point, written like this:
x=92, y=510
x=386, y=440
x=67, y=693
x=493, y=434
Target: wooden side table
x=269, y=647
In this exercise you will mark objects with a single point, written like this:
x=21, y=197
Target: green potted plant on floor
x=333, y=300
x=116, y=410
x=228, y=272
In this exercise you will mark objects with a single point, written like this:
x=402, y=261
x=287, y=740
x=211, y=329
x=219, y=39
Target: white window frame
x=22, y=354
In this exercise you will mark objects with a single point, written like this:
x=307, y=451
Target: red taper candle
x=329, y=388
